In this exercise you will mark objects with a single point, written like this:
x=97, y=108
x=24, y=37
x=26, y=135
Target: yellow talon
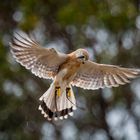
x=68, y=92
x=58, y=91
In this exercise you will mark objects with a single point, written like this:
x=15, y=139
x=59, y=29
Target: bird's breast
x=71, y=69
x=67, y=72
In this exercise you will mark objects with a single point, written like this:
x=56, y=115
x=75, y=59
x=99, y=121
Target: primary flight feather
x=66, y=70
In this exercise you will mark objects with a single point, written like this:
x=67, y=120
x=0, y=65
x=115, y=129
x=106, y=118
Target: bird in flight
x=66, y=70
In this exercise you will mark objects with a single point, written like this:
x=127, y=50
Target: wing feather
x=42, y=62
x=95, y=76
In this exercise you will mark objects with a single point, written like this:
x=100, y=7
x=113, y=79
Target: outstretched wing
x=94, y=76
x=43, y=62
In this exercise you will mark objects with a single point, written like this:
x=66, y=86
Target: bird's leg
x=68, y=92
x=57, y=94
x=57, y=91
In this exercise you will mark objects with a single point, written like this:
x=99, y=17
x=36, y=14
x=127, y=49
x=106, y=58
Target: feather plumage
x=57, y=108
x=43, y=62
x=66, y=70
x=94, y=76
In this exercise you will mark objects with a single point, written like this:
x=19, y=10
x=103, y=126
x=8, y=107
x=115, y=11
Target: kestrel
x=66, y=70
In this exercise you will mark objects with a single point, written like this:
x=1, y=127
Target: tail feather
x=54, y=107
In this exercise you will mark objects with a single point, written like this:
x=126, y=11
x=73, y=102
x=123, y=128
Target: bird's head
x=82, y=55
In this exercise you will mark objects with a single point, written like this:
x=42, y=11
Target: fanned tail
x=55, y=106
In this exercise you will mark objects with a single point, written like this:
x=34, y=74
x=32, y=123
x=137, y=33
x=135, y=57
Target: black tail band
x=57, y=114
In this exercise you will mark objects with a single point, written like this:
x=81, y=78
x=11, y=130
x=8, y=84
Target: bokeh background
x=109, y=30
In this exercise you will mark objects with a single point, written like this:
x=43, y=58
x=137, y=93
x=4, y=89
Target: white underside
x=62, y=102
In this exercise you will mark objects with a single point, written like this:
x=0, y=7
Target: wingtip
x=39, y=108
x=10, y=44
x=138, y=71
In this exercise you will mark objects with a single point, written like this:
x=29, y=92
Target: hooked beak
x=83, y=58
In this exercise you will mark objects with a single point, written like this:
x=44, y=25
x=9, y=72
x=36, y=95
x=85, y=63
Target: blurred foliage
x=110, y=30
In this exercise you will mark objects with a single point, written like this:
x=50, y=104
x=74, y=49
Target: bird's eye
x=81, y=57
